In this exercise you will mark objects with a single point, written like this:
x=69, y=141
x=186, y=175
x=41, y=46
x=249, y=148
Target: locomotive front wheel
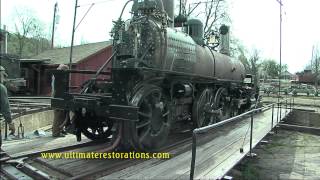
x=152, y=129
x=202, y=110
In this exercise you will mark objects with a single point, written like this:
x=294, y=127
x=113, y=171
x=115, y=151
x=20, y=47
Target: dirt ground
x=290, y=155
x=287, y=155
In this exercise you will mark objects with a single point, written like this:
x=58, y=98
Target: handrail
x=212, y=126
x=216, y=125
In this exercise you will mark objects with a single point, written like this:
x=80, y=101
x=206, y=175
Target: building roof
x=287, y=73
x=80, y=52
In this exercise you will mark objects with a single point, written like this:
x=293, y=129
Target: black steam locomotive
x=160, y=76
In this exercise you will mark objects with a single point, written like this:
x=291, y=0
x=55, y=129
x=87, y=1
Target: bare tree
x=243, y=57
x=255, y=65
x=26, y=26
x=316, y=67
x=212, y=13
x=252, y=64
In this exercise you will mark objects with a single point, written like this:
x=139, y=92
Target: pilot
x=4, y=103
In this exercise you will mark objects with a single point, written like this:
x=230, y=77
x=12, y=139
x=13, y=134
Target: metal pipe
x=293, y=102
x=105, y=64
x=212, y=126
x=286, y=106
x=251, y=132
x=124, y=8
x=6, y=131
x=194, y=152
x=272, y=116
x=290, y=104
x=277, y=113
x=99, y=71
x=280, y=112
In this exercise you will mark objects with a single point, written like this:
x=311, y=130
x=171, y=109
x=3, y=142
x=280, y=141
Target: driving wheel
x=222, y=104
x=202, y=110
x=151, y=130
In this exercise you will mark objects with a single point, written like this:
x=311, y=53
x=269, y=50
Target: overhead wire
x=97, y=2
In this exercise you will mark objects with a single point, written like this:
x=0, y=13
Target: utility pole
x=72, y=37
x=280, y=4
x=0, y=29
x=278, y=113
x=317, y=70
x=54, y=24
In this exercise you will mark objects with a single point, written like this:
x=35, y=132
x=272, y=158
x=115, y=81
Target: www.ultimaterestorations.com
x=108, y=155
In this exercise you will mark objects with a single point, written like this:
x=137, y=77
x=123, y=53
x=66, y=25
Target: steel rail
x=130, y=162
x=61, y=149
x=49, y=166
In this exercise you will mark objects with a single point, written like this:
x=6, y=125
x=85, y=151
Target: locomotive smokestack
x=224, y=40
x=169, y=8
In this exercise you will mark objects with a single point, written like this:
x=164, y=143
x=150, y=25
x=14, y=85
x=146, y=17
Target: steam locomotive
x=160, y=76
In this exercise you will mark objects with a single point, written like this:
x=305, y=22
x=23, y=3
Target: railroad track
x=33, y=166
x=21, y=106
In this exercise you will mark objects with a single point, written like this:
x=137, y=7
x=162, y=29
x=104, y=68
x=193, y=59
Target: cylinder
x=182, y=90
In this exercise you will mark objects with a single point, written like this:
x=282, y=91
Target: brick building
x=306, y=77
x=85, y=57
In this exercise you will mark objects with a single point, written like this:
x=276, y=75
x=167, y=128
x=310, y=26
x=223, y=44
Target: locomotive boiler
x=161, y=78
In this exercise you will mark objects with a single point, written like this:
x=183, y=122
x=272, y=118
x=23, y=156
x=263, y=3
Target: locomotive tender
x=160, y=77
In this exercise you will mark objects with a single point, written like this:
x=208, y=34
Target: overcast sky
x=254, y=22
